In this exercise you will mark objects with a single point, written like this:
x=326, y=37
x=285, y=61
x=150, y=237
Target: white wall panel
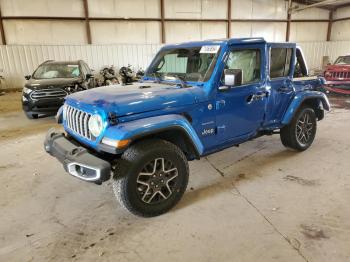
x=123, y=8
x=193, y=31
x=259, y=9
x=42, y=8
x=208, y=9
x=306, y=32
x=182, y=31
x=342, y=12
x=109, y=32
x=314, y=51
x=44, y=32
x=271, y=31
x=310, y=13
x=341, y=30
x=19, y=60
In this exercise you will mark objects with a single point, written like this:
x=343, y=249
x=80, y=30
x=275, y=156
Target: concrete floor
x=259, y=202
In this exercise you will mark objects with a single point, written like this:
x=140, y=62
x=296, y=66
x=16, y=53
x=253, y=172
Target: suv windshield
x=343, y=60
x=49, y=71
x=189, y=64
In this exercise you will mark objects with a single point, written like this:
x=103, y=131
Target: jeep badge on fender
x=257, y=88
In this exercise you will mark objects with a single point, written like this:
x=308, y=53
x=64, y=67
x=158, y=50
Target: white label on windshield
x=209, y=49
x=72, y=65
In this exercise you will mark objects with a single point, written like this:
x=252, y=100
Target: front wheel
x=150, y=177
x=301, y=131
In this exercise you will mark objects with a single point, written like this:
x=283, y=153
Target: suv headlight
x=27, y=90
x=95, y=125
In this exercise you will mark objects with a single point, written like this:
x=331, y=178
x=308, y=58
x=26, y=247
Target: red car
x=338, y=76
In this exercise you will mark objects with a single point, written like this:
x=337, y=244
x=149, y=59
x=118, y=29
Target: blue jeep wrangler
x=195, y=99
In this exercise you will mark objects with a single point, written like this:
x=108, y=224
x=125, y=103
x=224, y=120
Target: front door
x=241, y=109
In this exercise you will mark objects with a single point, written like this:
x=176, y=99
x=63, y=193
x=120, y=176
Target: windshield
x=189, y=64
x=343, y=60
x=49, y=71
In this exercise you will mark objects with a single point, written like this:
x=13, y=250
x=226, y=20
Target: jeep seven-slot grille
x=77, y=121
x=48, y=93
x=342, y=75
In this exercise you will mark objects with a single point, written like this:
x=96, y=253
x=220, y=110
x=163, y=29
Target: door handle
x=257, y=96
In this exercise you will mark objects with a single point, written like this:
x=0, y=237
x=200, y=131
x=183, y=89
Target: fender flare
x=152, y=125
x=300, y=98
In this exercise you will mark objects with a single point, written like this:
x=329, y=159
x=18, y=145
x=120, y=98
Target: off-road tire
x=130, y=165
x=289, y=135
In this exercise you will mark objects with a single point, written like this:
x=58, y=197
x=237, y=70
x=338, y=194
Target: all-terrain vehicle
x=195, y=99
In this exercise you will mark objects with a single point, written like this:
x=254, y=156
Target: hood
x=338, y=68
x=133, y=99
x=38, y=84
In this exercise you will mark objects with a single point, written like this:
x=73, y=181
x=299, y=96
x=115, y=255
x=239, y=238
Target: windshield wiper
x=183, y=83
x=156, y=77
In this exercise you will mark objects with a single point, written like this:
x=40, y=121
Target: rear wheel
x=151, y=177
x=301, y=131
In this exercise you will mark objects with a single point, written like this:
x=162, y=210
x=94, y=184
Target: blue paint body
x=212, y=119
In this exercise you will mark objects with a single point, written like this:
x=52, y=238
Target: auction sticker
x=209, y=49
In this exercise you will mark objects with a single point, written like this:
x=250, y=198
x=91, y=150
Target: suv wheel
x=150, y=177
x=301, y=131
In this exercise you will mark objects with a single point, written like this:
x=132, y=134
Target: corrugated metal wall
x=19, y=60
x=16, y=61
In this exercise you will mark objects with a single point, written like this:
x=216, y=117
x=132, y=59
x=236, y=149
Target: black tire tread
x=287, y=133
x=123, y=165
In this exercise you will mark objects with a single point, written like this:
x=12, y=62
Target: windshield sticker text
x=209, y=49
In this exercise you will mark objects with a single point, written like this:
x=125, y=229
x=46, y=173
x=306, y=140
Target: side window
x=280, y=59
x=300, y=69
x=248, y=60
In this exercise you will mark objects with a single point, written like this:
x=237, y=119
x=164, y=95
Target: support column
x=87, y=21
x=229, y=18
x=330, y=23
x=289, y=18
x=3, y=38
x=162, y=21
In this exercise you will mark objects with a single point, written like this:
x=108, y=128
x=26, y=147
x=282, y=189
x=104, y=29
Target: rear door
x=280, y=81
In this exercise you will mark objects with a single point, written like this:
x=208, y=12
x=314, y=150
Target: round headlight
x=95, y=125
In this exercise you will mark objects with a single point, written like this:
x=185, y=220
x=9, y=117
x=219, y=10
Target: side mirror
x=233, y=77
x=88, y=76
x=28, y=77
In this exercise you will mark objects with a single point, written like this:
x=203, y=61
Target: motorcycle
x=139, y=74
x=127, y=75
x=2, y=80
x=109, y=77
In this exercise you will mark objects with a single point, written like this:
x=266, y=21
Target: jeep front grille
x=341, y=75
x=48, y=93
x=77, y=121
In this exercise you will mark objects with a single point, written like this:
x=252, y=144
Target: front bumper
x=42, y=106
x=77, y=160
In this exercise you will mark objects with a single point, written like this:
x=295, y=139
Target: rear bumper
x=337, y=82
x=77, y=160
x=341, y=89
